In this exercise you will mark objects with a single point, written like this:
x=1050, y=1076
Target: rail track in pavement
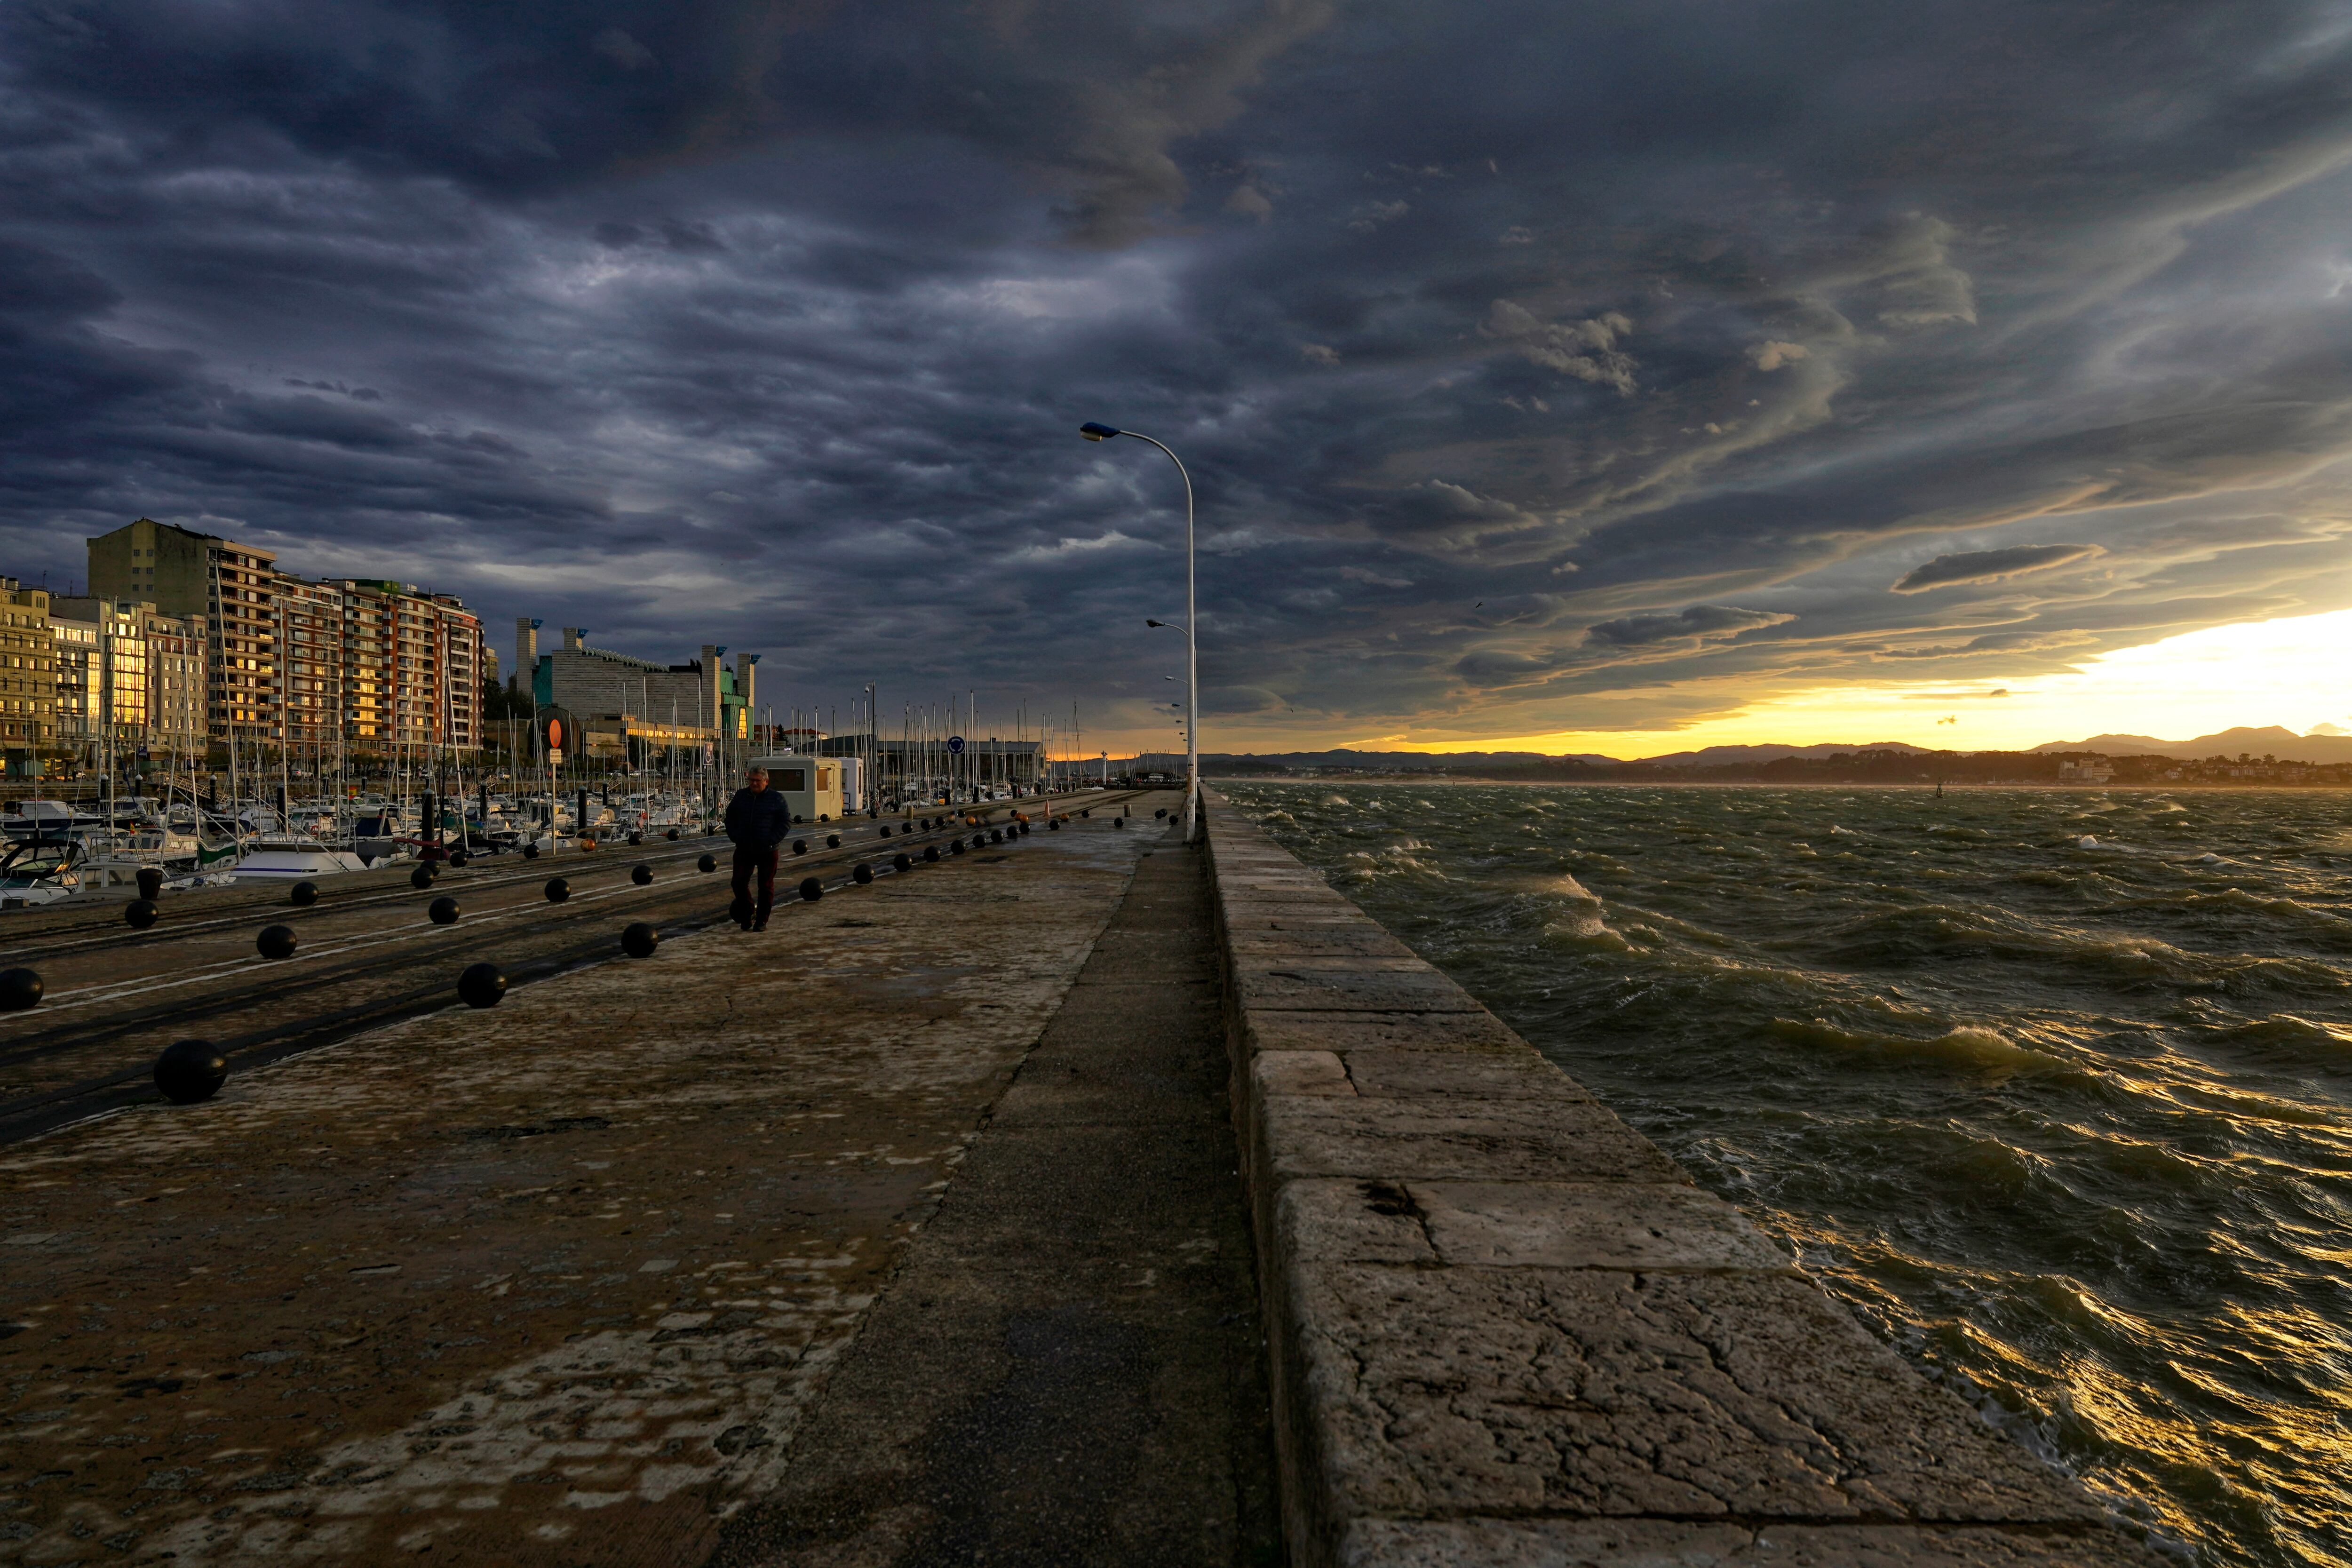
x=368, y=956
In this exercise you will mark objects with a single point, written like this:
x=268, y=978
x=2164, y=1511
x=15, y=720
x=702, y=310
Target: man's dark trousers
x=764, y=861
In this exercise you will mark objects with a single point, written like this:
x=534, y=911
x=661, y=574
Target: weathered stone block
x=1322, y=939
x=1596, y=1225
x=1350, y=1222
x=1411, y=1140
x=1299, y=1072
x=1390, y=1073
x=1593, y=1393
x=1354, y=989
x=1662, y=1544
x=1480, y=1032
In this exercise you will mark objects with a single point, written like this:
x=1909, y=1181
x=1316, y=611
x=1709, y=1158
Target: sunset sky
x=1614, y=377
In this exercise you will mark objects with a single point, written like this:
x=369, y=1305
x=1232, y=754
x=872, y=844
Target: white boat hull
x=295, y=864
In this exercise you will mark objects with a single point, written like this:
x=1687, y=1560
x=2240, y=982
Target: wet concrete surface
x=1068, y=1368
x=368, y=953
x=550, y=1283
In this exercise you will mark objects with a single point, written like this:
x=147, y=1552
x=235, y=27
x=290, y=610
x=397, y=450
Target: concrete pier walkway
x=551, y=1283
x=1067, y=1368
x=931, y=1227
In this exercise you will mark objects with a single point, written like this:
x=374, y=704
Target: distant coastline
x=2263, y=758
x=1952, y=786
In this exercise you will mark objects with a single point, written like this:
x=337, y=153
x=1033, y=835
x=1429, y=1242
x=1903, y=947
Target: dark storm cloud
x=1698, y=621
x=1990, y=566
x=1523, y=356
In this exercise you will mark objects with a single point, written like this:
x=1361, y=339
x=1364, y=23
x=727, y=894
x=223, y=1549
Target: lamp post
x=1095, y=432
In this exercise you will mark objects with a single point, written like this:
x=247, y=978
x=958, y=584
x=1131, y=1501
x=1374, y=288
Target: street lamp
x=1096, y=432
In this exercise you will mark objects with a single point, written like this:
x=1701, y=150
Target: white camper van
x=810, y=785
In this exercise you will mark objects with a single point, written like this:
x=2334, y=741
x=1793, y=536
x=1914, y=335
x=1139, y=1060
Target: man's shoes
x=758, y=925
x=745, y=925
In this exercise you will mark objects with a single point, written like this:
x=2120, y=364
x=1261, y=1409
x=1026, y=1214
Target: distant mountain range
x=2270, y=741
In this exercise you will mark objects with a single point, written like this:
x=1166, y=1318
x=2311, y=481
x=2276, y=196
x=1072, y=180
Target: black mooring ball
x=1055, y=826
x=19, y=989
x=955, y=845
x=141, y=913
x=639, y=938
x=885, y=831
x=996, y=835
x=531, y=851
x=421, y=878
x=930, y=852
x=276, y=941
x=1162, y=812
x=1024, y=828
x=812, y=890
x=1086, y=813
x=151, y=882
x=457, y=858
x=862, y=874
x=304, y=895
x=800, y=845
x=903, y=861
x=442, y=911
x=833, y=841
x=558, y=889
x=708, y=863
x=481, y=986
x=641, y=874
x=636, y=837
x=673, y=833
x=1119, y=821
x=190, y=1071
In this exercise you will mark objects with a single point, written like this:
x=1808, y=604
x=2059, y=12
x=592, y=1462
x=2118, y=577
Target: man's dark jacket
x=758, y=819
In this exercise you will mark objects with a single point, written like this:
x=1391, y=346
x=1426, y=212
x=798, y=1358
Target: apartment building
x=411, y=667
x=29, y=677
x=365, y=664
x=177, y=670
x=186, y=574
x=468, y=665
x=101, y=654
x=309, y=630
x=124, y=667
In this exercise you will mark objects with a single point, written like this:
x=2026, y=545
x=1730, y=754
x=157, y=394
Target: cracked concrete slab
x=1657, y=1543
x=1600, y=1392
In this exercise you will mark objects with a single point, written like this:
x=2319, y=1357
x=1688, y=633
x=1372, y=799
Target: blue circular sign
x=955, y=744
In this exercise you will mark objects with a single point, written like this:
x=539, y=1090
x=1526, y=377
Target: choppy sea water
x=2056, y=1088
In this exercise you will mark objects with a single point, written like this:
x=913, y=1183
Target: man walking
x=757, y=821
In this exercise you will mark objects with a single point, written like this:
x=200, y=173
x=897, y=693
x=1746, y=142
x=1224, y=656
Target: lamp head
x=1094, y=431
x=1155, y=623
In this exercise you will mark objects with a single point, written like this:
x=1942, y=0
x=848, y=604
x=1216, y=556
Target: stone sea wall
x=1504, y=1328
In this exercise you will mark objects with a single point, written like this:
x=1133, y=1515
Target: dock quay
x=1082, y=1197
